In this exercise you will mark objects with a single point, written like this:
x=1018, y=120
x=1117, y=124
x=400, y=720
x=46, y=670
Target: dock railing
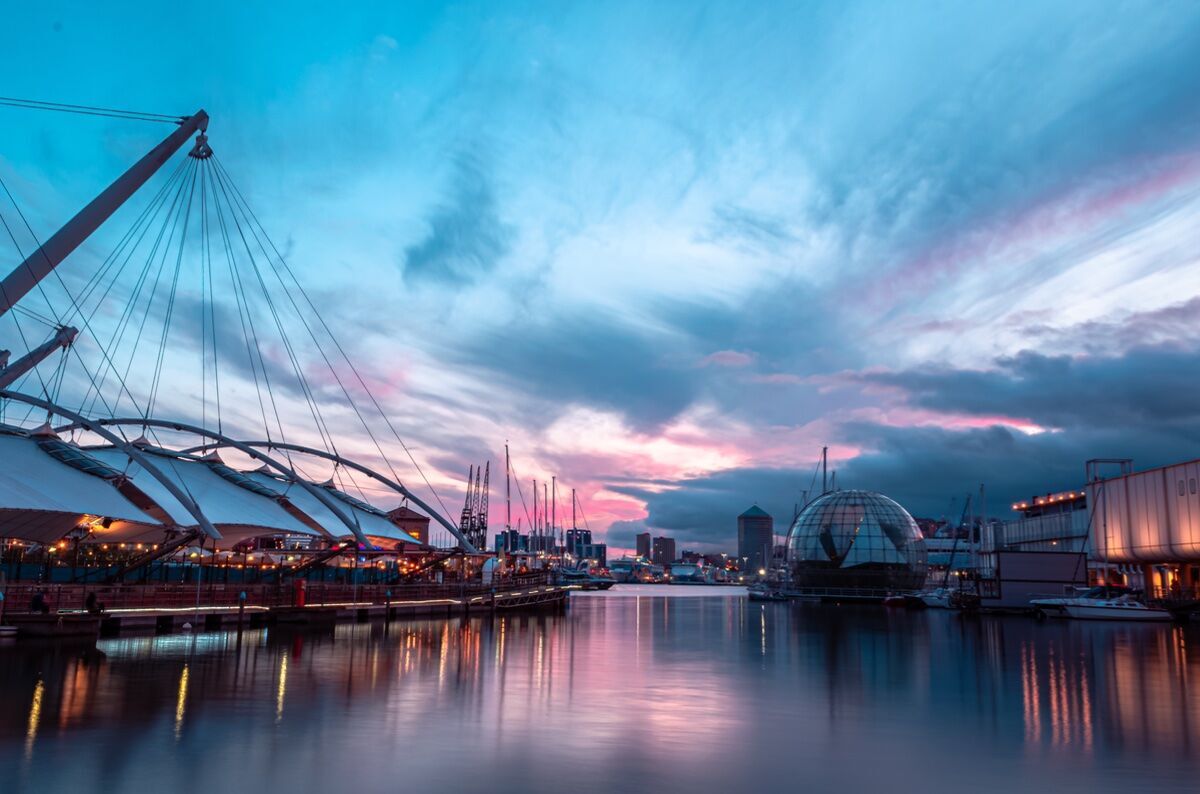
x=73, y=597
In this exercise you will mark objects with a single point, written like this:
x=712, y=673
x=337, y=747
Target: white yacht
x=1105, y=602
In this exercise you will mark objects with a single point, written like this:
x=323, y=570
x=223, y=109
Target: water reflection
x=617, y=694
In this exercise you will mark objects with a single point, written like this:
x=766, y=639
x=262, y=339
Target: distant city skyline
x=668, y=252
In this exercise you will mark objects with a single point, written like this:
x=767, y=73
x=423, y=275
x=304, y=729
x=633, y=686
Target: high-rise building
x=756, y=539
x=576, y=538
x=663, y=551
x=643, y=545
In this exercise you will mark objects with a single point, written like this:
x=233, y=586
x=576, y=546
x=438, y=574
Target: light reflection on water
x=618, y=694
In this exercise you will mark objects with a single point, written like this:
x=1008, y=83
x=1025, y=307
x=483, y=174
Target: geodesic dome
x=856, y=540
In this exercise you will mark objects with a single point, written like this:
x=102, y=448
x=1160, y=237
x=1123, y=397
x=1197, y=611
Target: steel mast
x=59, y=246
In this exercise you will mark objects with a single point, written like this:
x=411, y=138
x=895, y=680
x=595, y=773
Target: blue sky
x=669, y=250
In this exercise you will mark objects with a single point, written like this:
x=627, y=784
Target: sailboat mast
x=507, y=490
x=824, y=470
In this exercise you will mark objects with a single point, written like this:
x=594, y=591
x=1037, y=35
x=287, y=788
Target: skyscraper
x=756, y=538
x=663, y=552
x=643, y=545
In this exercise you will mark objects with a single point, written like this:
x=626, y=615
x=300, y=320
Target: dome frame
x=858, y=541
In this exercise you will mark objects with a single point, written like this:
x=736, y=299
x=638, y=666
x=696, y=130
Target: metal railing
x=71, y=597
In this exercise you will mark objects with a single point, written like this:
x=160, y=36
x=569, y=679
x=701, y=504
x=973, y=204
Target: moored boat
x=1106, y=602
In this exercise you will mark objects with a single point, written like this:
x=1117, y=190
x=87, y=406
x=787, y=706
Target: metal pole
x=824, y=470
x=52, y=252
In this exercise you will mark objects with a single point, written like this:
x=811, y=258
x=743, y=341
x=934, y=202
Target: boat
x=8, y=631
x=937, y=598
x=904, y=601
x=1105, y=602
x=585, y=579
x=689, y=573
x=763, y=592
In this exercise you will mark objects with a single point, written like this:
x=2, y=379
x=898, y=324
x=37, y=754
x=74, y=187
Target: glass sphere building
x=856, y=540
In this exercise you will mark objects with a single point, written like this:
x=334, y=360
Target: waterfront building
x=663, y=551
x=1145, y=526
x=410, y=522
x=755, y=537
x=643, y=545
x=858, y=542
x=1052, y=522
x=576, y=538
x=511, y=541
x=596, y=554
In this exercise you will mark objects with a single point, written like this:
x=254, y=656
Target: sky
x=669, y=251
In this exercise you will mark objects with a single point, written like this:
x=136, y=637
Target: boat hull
x=1078, y=611
x=1148, y=615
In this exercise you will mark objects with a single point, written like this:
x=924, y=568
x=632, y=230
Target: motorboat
x=938, y=598
x=585, y=579
x=1106, y=602
x=764, y=592
x=904, y=601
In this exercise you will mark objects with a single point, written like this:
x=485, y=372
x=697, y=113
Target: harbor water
x=658, y=689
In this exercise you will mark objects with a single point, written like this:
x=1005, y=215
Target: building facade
x=643, y=545
x=663, y=551
x=756, y=539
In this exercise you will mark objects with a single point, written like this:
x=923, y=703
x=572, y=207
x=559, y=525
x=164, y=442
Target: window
x=1181, y=488
x=1192, y=484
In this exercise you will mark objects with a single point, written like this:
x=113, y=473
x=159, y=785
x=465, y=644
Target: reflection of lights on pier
x=35, y=716
x=181, y=702
x=1068, y=701
x=281, y=690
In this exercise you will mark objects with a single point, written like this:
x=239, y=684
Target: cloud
x=1143, y=387
x=466, y=237
x=592, y=360
x=728, y=358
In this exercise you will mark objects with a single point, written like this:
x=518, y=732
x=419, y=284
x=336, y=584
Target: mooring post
x=241, y=609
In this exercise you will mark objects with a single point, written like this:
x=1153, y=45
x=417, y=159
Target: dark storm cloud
x=1142, y=387
x=591, y=360
x=923, y=468
x=466, y=234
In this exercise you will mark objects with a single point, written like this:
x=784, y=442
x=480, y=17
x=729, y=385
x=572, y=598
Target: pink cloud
x=1059, y=213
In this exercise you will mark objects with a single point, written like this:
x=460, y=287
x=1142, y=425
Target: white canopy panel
x=41, y=498
x=372, y=524
x=235, y=511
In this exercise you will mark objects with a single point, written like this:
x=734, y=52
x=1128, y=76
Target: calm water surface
x=638, y=689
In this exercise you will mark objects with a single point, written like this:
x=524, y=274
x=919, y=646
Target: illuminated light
x=35, y=716
x=181, y=702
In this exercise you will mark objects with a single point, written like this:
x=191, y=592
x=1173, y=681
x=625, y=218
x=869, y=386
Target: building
x=411, y=522
x=663, y=551
x=596, y=554
x=643, y=545
x=576, y=538
x=1145, y=526
x=858, y=543
x=756, y=538
x=511, y=541
x=1053, y=522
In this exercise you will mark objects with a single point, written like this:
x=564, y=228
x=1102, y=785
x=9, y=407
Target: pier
x=212, y=606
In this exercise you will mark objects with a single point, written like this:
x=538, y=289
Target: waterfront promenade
x=167, y=607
